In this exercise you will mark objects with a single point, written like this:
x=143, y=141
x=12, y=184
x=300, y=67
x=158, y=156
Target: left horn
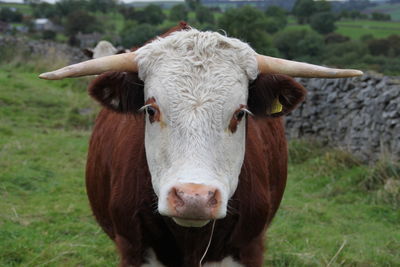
x=299, y=69
x=120, y=62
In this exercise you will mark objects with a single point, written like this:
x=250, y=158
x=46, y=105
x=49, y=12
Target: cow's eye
x=240, y=114
x=151, y=111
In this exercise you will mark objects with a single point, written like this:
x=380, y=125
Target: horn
x=120, y=62
x=299, y=69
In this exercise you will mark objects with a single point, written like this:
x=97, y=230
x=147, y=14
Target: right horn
x=268, y=64
x=120, y=62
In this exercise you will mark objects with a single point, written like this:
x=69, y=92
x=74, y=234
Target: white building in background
x=43, y=24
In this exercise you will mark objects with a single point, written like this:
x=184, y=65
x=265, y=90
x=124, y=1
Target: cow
x=187, y=162
x=103, y=49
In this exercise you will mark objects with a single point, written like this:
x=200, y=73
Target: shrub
x=151, y=14
x=300, y=44
x=9, y=15
x=333, y=38
x=389, y=47
x=384, y=179
x=49, y=35
x=345, y=54
x=204, y=15
x=323, y=22
x=248, y=24
x=178, y=12
x=136, y=35
x=302, y=150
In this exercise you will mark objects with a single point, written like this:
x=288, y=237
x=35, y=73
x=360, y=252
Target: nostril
x=213, y=198
x=177, y=197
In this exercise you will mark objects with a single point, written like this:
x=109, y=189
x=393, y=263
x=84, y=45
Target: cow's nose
x=194, y=201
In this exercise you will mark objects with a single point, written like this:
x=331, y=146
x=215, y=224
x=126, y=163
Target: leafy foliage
x=44, y=10
x=381, y=16
x=276, y=19
x=389, y=47
x=248, y=24
x=204, y=14
x=9, y=15
x=81, y=21
x=303, y=10
x=103, y=6
x=178, y=12
x=323, y=22
x=151, y=14
x=300, y=44
x=136, y=35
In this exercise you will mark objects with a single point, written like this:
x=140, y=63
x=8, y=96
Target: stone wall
x=361, y=115
x=47, y=49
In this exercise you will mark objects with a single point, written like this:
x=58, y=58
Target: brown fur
x=124, y=203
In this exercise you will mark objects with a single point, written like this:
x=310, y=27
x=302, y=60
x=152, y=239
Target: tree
x=9, y=15
x=276, y=19
x=323, y=22
x=302, y=44
x=345, y=54
x=334, y=38
x=381, y=16
x=81, y=21
x=136, y=35
x=43, y=10
x=192, y=4
x=103, y=6
x=389, y=47
x=248, y=24
x=151, y=14
x=322, y=6
x=128, y=12
x=66, y=7
x=49, y=35
x=303, y=10
x=178, y=12
x=275, y=11
x=204, y=15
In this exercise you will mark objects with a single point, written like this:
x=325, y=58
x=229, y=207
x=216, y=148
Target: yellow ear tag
x=276, y=106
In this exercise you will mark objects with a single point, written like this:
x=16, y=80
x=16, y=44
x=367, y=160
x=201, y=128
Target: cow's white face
x=196, y=88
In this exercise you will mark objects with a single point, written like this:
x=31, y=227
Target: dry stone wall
x=361, y=115
x=47, y=49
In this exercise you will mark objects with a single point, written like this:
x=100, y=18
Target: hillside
x=392, y=9
x=327, y=217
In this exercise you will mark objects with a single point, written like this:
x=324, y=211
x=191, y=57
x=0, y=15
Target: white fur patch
x=152, y=260
x=198, y=80
x=103, y=49
x=226, y=262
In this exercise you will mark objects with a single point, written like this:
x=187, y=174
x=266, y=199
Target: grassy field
x=327, y=217
x=357, y=28
x=392, y=9
x=24, y=8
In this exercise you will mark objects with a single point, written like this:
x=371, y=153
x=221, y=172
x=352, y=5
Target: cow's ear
x=274, y=95
x=119, y=91
x=88, y=52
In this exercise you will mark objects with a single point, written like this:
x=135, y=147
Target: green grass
x=357, y=28
x=45, y=218
x=24, y=8
x=326, y=211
